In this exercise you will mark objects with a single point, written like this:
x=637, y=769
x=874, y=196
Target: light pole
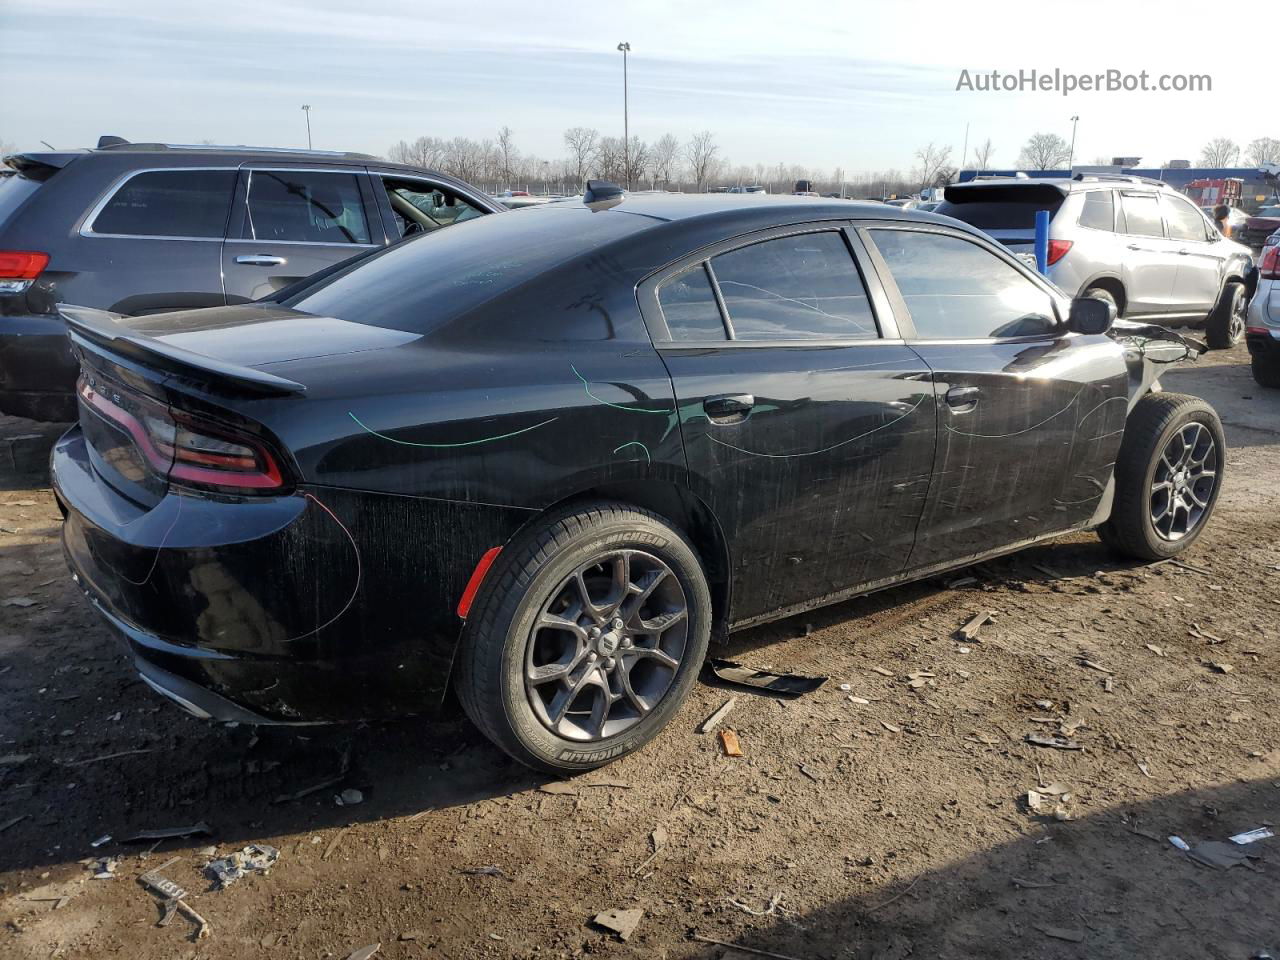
x=625, y=48
x=306, y=108
x=1071, y=158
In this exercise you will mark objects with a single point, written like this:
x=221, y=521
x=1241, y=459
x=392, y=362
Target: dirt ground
x=891, y=828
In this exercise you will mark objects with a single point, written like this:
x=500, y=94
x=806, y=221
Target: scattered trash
x=173, y=901
x=970, y=628
x=961, y=582
x=364, y=953
x=779, y=684
x=349, y=797
x=255, y=857
x=343, y=766
x=846, y=687
x=1252, y=836
x=105, y=838
x=1179, y=843
x=712, y=721
x=484, y=872
x=775, y=902
x=1056, y=742
x=621, y=922
x=659, y=840
x=559, y=787
x=1070, y=934
x=1093, y=666
x=104, y=868
x=200, y=829
x=729, y=741
x=1046, y=803
x=852, y=699
x=1219, y=855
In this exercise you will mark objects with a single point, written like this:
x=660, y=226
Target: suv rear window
x=998, y=214
x=169, y=203
x=13, y=191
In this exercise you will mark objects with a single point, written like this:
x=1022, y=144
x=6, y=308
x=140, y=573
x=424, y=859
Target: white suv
x=1136, y=242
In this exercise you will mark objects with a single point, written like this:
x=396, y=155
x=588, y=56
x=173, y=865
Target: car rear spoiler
x=102, y=328
x=1018, y=191
x=40, y=166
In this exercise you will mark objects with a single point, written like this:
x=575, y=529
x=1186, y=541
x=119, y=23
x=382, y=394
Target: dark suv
x=142, y=228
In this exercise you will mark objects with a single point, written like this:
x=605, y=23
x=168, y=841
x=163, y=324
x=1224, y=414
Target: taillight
x=190, y=450
x=1269, y=267
x=19, y=268
x=1057, y=250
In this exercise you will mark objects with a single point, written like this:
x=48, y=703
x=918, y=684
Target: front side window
x=801, y=287
x=169, y=203
x=306, y=207
x=421, y=208
x=1185, y=221
x=957, y=290
x=689, y=306
x=1142, y=215
x=1098, y=212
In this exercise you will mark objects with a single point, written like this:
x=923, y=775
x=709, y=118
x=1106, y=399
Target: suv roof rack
x=117, y=144
x=1118, y=177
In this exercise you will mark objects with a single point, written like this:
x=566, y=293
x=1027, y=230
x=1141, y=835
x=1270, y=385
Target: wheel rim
x=606, y=646
x=1185, y=477
x=1239, y=309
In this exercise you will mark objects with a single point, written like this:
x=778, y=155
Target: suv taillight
x=1057, y=250
x=190, y=450
x=19, y=268
x=1269, y=267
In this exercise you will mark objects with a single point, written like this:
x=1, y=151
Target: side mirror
x=1091, y=316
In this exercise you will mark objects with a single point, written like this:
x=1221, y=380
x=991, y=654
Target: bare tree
x=982, y=154
x=426, y=152
x=664, y=154
x=1262, y=151
x=1044, y=151
x=701, y=153
x=1219, y=152
x=930, y=161
x=635, y=159
x=611, y=160
x=507, y=155
x=583, y=144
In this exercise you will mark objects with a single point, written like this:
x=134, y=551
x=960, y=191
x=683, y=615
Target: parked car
x=141, y=228
x=1260, y=226
x=1263, y=330
x=1135, y=242
x=541, y=459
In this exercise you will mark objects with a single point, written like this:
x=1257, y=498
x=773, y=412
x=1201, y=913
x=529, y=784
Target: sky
x=823, y=84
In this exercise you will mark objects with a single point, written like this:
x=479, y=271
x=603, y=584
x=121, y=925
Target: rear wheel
x=1225, y=326
x=1266, y=369
x=586, y=637
x=1167, y=476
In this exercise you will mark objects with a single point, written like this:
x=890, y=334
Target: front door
x=1149, y=264
x=291, y=223
x=1029, y=416
x=1199, y=280
x=809, y=427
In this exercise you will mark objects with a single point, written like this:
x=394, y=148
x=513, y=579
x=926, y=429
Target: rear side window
x=306, y=207
x=802, y=287
x=169, y=203
x=689, y=307
x=1185, y=221
x=1142, y=215
x=956, y=290
x=1099, y=210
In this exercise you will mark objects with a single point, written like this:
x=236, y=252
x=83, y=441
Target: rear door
x=1200, y=267
x=808, y=424
x=291, y=221
x=1029, y=415
x=1150, y=264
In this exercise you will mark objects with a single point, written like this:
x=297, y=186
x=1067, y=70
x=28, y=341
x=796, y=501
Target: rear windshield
x=14, y=190
x=998, y=215
x=418, y=283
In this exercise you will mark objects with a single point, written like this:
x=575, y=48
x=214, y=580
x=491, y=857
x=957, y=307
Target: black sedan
x=543, y=458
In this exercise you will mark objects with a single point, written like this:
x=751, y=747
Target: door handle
x=730, y=407
x=963, y=398
x=260, y=260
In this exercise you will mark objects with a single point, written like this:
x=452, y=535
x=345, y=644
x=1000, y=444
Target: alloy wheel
x=1239, y=315
x=606, y=647
x=1184, y=481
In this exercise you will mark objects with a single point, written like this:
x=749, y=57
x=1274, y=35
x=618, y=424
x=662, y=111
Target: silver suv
x=1133, y=241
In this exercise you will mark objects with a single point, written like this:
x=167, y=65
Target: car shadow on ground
x=1109, y=884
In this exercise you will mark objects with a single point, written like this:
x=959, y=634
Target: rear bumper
x=37, y=369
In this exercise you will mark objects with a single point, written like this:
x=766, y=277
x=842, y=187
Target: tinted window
x=306, y=207
x=1099, y=210
x=1185, y=221
x=955, y=289
x=689, y=307
x=1142, y=215
x=169, y=203
x=803, y=287
x=1002, y=215
x=13, y=191
x=429, y=280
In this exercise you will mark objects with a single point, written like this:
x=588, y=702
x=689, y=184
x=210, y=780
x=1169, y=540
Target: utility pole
x=625, y=48
x=306, y=108
x=965, y=152
x=1071, y=159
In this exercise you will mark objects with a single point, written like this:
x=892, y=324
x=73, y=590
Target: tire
x=1150, y=431
x=1224, y=327
x=1102, y=293
x=1266, y=370
x=537, y=576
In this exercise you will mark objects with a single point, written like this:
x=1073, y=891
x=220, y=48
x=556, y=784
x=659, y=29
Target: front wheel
x=586, y=637
x=1168, y=476
x=1225, y=326
x=1266, y=369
